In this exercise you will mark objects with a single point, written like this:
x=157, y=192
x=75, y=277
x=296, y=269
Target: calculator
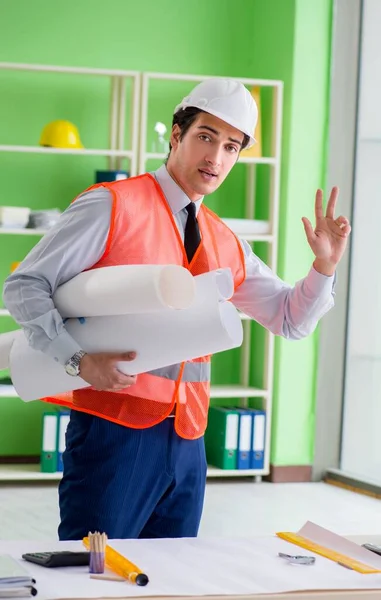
x=64, y=558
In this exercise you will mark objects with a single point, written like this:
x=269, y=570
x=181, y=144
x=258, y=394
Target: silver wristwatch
x=72, y=365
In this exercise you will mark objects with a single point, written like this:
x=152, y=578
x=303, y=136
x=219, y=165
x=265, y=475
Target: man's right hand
x=100, y=371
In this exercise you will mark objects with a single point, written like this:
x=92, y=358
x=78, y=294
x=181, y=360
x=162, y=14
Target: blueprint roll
x=210, y=325
x=125, y=289
x=6, y=341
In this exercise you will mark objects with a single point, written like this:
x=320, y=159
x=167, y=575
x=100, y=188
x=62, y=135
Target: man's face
x=200, y=162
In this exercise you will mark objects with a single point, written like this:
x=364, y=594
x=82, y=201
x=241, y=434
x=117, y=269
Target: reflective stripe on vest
x=193, y=371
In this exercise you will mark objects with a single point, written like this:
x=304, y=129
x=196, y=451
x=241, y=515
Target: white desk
x=323, y=595
x=204, y=566
x=345, y=595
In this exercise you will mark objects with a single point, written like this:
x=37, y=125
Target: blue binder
x=63, y=421
x=257, y=454
x=244, y=438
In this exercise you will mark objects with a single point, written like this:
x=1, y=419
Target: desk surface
x=190, y=564
x=324, y=595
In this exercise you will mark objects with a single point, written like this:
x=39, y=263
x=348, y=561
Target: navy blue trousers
x=130, y=483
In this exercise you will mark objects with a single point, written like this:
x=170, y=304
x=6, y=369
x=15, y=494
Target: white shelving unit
x=138, y=157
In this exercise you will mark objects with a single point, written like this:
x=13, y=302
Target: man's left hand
x=329, y=239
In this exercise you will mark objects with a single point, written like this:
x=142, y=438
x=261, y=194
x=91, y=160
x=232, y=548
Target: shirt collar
x=175, y=196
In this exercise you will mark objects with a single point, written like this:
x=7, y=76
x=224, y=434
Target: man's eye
x=204, y=138
x=231, y=149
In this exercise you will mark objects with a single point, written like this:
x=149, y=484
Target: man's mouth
x=208, y=175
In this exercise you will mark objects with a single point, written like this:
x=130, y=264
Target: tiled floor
x=231, y=509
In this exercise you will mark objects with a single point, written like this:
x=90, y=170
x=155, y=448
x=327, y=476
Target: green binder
x=49, y=453
x=221, y=437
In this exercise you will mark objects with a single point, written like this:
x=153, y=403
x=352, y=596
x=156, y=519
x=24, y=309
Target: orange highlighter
x=121, y=565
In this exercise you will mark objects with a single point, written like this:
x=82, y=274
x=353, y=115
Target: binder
x=258, y=439
x=63, y=421
x=221, y=437
x=49, y=442
x=244, y=438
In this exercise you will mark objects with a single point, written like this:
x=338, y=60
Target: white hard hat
x=227, y=99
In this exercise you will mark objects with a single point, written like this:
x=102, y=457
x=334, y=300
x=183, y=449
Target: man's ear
x=175, y=136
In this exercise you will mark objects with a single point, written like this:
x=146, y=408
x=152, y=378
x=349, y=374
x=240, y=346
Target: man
x=134, y=464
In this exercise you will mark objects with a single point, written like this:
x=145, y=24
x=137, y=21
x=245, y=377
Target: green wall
x=295, y=46
x=279, y=39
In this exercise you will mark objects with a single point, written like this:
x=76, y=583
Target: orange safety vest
x=143, y=231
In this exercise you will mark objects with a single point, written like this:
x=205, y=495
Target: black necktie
x=192, y=237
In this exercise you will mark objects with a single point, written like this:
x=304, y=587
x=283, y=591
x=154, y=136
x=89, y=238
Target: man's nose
x=214, y=156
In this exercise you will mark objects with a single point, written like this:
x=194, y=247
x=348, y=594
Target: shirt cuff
x=63, y=347
x=318, y=283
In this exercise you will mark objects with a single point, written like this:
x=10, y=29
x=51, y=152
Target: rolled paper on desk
x=6, y=341
x=125, y=289
x=159, y=339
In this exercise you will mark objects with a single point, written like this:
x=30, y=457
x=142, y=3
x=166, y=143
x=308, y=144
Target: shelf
x=215, y=472
x=236, y=391
x=249, y=237
x=32, y=473
x=7, y=391
x=76, y=151
x=261, y=160
x=217, y=391
x=5, y=313
x=197, y=78
x=60, y=69
x=26, y=473
x=248, y=160
x=21, y=231
x=256, y=237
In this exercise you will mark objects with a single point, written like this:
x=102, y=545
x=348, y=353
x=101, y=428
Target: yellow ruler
x=343, y=560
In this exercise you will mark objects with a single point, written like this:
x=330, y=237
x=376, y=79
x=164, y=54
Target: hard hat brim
x=219, y=115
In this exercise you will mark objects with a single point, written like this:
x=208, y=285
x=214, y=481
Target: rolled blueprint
x=6, y=341
x=210, y=325
x=125, y=289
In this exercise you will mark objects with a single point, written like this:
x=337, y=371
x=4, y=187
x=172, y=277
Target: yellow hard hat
x=14, y=266
x=60, y=134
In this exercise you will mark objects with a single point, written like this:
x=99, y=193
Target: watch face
x=71, y=370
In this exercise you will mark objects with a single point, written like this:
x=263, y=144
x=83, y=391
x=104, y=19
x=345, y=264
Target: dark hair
x=184, y=119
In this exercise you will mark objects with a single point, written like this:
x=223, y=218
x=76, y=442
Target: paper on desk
x=194, y=567
x=335, y=542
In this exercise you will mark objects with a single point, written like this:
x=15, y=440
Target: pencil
x=106, y=577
